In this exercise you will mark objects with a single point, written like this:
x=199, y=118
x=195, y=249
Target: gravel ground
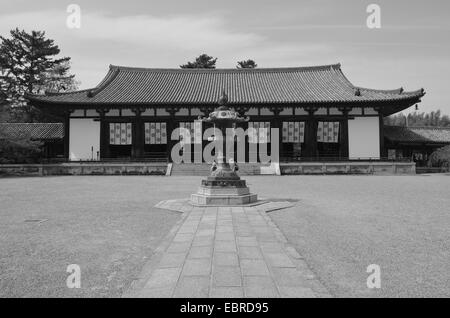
x=344, y=223
x=104, y=224
x=340, y=225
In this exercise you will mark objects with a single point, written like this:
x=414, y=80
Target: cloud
x=154, y=41
x=178, y=32
x=175, y=32
x=386, y=59
x=362, y=26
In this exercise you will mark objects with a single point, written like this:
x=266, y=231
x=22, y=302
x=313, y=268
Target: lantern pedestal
x=223, y=187
x=219, y=191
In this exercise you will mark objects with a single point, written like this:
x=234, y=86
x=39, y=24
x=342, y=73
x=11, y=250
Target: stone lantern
x=223, y=187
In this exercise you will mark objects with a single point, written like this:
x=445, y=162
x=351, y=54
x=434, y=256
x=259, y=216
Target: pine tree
x=247, y=64
x=202, y=61
x=28, y=64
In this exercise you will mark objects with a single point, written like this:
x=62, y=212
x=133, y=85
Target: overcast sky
x=411, y=49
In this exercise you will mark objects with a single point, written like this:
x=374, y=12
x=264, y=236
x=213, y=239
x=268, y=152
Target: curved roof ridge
x=388, y=91
x=231, y=70
x=400, y=90
x=342, y=74
x=393, y=91
x=110, y=76
x=417, y=91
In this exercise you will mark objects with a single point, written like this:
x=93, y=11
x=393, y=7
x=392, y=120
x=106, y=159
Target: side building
x=49, y=135
x=320, y=114
x=415, y=143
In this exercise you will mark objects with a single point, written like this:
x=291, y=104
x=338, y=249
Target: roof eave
x=356, y=103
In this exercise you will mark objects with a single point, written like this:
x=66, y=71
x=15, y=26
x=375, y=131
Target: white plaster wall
x=266, y=112
x=77, y=113
x=128, y=112
x=148, y=112
x=335, y=111
x=113, y=112
x=84, y=133
x=321, y=111
x=370, y=111
x=364, y=137
x=161, y=112
x=182, y=112
x=196, y=112
x=91, y=113
x=252, y=112
x=299, y=111
x=355, y=111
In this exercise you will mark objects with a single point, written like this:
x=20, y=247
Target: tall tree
x=416, y=119
x=58, y=79
x=4, y=109
x=202, y=61
x=247, y=64
x=28, y=64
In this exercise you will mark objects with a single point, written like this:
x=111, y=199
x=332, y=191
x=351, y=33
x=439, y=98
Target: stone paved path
x=227, y=252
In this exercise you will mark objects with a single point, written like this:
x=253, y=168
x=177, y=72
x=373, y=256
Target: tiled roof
x=36, y=131
x=317, y=84
x=437, y=135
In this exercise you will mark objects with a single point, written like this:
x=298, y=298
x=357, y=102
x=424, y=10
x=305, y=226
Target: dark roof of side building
x=36, y=131
x=424, y=135
x=317, y=84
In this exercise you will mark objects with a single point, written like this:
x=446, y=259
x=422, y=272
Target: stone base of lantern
x=223, y=199
x=227, y=189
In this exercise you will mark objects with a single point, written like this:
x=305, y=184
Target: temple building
x=415, y=143
x=131, y=113
x=49, y=135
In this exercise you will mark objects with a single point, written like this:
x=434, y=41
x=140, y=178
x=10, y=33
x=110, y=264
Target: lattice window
x=191, y=132
x=120, y=133
x=293, y=132
x=328, y=131
x=259, y=132
x=155, y=133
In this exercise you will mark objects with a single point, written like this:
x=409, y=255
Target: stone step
x=204, y=169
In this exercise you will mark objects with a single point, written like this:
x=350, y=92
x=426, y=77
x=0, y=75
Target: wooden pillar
x=277, y=123
x=171, y=126
x=343, y=151
x=311, y=134
x=67, y=134
x=383, y=152
x=137, y=135
x=104, y=136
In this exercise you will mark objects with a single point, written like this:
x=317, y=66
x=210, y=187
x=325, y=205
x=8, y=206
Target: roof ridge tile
x=229, y=70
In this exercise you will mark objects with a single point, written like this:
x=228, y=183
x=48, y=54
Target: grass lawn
x=107, y=225
x=340, y=225
x=344, y=223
